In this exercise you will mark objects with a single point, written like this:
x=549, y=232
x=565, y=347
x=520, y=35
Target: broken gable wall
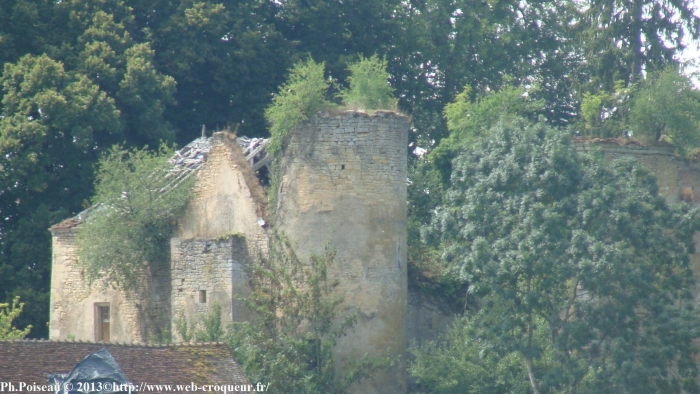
x=217, y=236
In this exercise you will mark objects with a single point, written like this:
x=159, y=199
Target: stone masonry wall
x=134, y=317
x=343, y=181
x=226, y=198
x=214, y=266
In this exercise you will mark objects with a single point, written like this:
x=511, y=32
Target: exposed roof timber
x=187, y=161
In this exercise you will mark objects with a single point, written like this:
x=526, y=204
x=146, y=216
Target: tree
x=621, y=40
x=580, y=269
x=135, y=209
x=226, y=55
x=446, y=45
x=667, y=104
x=459, y=362
x=606, y=114
x=9, y=312
x=298, y=321
x=51, y=123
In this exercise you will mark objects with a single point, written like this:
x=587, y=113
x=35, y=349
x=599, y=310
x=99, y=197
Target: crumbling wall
x=342, y=180
x=215, y=266
x=223, y=227
x=134, y=316
x=226, y=198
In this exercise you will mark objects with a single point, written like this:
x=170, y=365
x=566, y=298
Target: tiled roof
x=187, y=161
x=202, y=364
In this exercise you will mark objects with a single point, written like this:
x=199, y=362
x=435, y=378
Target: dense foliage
x=135, y=210
x=581, y=271
x=299, y=320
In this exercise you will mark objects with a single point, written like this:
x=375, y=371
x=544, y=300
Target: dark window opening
x=102, y=320
x=202, y=296
x=342, y=166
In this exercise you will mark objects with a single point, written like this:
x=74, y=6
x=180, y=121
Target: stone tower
x=342, y=179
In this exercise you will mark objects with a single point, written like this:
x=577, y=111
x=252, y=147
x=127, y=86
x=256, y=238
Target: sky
x=692, y=51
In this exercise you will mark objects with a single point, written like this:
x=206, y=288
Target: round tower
x=342, y=179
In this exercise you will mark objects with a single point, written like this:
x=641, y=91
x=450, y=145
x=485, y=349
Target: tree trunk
x=531, y=376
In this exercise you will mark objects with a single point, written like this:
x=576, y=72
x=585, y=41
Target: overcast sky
x=692, y=52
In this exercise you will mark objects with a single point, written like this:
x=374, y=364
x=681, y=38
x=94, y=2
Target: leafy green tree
x=298, y=321
x=211, y=322
x=51, y=123
x=24, y=25
x=9, y=312
x=589, y=254
x=227, y=57
x=470, y=121
x=447, y=45
x=664, y=104
x=106, y=52
x=136, y=206
x=606, y=114
x=668, y=104
x=369, y=85
x=621, y=40
x=333, y=31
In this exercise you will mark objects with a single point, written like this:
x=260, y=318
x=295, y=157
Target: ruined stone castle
x=342, y=180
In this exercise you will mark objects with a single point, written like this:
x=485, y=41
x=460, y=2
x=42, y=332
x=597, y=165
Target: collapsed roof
x=188, y=160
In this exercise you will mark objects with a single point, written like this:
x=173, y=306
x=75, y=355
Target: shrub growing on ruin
x=369, y=87
x=301, y=96
x=135, y=209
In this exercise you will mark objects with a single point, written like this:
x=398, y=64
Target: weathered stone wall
x=343, y=181
x=216, y=266
x=226, y=197
x=135, y=317
x=219, y=232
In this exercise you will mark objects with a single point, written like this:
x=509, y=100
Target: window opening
x=202, y=296
x=102, y=321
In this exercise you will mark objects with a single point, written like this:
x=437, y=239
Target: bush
x=302, y=95
x=369, y=85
